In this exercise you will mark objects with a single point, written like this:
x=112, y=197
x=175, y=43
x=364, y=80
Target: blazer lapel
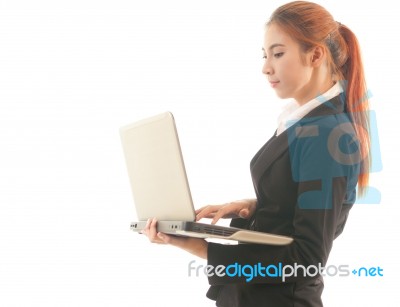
x=268, y=154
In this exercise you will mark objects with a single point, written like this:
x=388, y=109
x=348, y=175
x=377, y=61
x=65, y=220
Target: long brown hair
x=312, y=25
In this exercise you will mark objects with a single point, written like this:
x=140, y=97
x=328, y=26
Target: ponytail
x=357, y=101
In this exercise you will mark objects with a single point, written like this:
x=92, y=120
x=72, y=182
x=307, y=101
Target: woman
x=305, y=176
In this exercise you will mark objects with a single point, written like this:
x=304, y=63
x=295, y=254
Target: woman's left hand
x=194, y=246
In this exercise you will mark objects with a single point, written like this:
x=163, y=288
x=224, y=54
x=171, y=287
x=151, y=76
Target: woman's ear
x=317, y=55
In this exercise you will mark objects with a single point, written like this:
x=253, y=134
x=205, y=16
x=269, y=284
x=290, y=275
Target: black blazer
x=305, y=183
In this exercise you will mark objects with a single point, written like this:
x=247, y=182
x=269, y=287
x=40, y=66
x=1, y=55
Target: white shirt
x=293, y=112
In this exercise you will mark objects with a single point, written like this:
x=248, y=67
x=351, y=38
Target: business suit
x=292, y=201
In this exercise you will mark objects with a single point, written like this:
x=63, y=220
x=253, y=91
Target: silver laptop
x=160, y=186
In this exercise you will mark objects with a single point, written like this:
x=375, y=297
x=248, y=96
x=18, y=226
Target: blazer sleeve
x=319, y=215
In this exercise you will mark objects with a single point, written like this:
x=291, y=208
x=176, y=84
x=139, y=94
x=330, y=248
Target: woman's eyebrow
x=273, y=46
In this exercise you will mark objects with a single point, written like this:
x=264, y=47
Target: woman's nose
x=267, y=69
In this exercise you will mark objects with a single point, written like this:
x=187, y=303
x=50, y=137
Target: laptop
x=160, y=185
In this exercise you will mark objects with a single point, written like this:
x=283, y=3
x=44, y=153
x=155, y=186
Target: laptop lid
x=156, y=169
x=160, y=187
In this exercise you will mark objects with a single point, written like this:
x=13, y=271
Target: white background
x=72, y=72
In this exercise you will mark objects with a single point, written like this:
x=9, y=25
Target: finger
x=200, y=209
x=207, y=212
x=204, y=215
x=203, y=210
x=146, y=228
x=230, y=210
x=220, y=213
x=153, y=231
x=244, y=213
x=153, y=227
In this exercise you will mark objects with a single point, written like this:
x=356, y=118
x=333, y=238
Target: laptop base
x=201, y=230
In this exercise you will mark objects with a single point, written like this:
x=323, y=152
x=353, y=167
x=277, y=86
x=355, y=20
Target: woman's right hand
x=240, y=208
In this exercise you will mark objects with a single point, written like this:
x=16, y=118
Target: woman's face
x=287, y=68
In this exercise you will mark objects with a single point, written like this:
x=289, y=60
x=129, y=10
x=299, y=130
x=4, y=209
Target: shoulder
x=323, y=146
x=330, y=117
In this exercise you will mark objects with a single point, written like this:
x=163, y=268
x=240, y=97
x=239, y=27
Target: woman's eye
x=278, y=55
x=264, y=57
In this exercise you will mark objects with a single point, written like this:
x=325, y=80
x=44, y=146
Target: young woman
x=305, y=176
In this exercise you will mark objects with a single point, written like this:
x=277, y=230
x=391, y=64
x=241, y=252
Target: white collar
x=293, y=112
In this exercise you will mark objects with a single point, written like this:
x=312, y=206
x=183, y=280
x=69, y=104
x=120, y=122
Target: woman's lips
x=273, y=83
